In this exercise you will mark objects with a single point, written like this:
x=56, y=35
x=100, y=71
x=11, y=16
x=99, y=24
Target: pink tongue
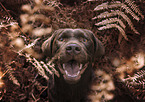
x=72, y=68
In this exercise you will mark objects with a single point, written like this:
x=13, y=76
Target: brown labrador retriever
x=74, y=51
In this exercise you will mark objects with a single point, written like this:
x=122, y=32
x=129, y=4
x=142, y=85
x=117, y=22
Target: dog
x=74, y=52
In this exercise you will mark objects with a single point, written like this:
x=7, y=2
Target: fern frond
x=134, y=7
x=117, y=4
x=11, y=76
x=101, y=6
x=128, y=7
x=136, y=84
x=108, y=26
x=138, y=76
x=111, y=20
x=120, y=13
x=37, y=65
x=129, y=11
x=46, y=67
x=106, y=14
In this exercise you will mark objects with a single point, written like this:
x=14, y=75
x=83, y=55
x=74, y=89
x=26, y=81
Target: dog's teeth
x=72, y=75
x=68, y=74
x=81, y=65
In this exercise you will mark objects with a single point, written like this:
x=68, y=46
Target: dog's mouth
x=72, y=71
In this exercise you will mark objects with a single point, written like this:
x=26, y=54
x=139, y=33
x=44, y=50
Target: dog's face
x=74, y=50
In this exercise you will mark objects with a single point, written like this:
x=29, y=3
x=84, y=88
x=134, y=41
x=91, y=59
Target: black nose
x=73, y=49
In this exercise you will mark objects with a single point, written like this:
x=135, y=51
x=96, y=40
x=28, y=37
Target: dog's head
x=74, y=50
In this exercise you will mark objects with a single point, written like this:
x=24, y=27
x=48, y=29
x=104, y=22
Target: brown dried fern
x=129, y=8
x=19, y=38
x=117, y=4
x=134, y=8
x=136, y=84
x=108, y=26
x=111, y=20
x=132, y=73
x=39, y=26
x=11, y=76
x=121, y=14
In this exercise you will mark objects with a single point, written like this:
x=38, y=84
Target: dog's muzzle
x=73, y=68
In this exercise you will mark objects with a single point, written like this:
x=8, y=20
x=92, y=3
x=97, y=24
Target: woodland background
x=23, y=75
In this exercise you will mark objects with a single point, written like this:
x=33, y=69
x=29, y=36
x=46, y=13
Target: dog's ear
x=99, y=50
x=98, y=46
x=48, y=44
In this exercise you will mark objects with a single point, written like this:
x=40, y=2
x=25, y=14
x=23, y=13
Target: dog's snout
x=73, y=49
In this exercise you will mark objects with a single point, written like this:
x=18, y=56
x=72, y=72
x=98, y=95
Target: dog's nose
x=73, y=49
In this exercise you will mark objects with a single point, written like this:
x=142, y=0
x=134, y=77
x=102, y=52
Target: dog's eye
x=84, y=40
x=61, y=39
